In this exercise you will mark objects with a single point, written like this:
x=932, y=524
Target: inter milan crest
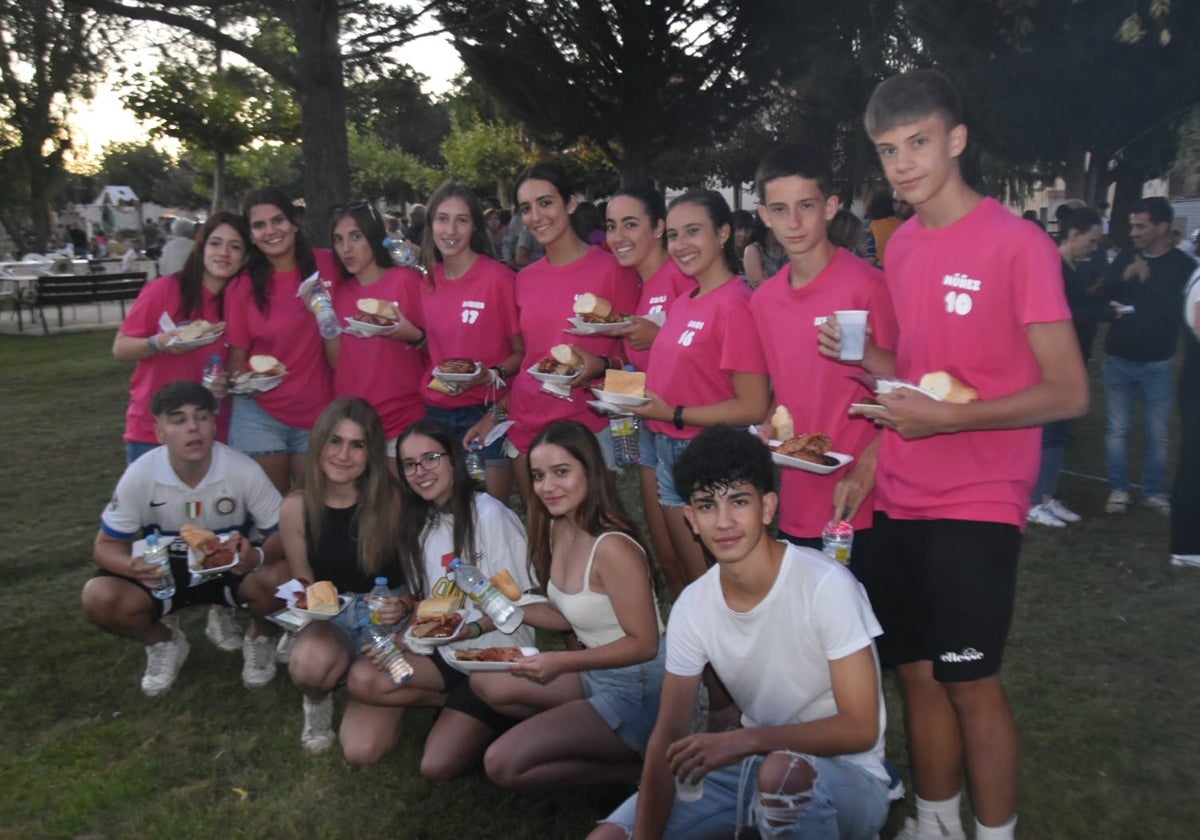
x=226, y=505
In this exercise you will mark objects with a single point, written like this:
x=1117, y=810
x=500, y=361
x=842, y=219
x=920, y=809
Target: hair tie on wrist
x=679, y=417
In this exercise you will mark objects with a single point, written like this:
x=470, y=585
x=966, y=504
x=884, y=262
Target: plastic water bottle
x=214, y=373
x=402, y=252
x=626, y=434
x=506, y=615
x=393, y=663
x=836, y=540
x=376, y=600
x=321, y=305
x=156, y=558
x=475, y=467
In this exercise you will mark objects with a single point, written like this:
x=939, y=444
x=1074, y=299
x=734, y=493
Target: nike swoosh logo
x=157, y=504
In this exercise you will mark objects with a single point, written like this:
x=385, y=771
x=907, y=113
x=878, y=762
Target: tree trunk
x=218, y=184
x=322, y=96
x=1129, y=189
x=1074, y=175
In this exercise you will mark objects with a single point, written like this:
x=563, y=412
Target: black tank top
x=335, y=556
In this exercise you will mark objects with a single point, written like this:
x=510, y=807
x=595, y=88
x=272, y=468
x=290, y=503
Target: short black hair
x=1156, y=207
x=176, y=395
x=721, y=456
x=793, y=159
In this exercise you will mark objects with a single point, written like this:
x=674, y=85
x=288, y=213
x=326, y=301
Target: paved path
x=91, y=316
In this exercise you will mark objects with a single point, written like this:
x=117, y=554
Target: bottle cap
x=455, y=563
x=381, y=581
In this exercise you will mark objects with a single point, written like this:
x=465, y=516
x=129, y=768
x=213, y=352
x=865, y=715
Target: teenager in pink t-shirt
x=978, y=293
x=636, y=225
x=266, y=317
x=470, y=303
x=197, y=292
x=546, y=293
x=383, y=368
x=797, y=202
x=706, y=366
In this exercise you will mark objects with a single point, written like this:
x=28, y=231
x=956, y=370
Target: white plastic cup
x=689, y=791
x=854, y=333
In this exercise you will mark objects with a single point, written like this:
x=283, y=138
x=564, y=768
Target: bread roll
x=265, y=365
x=195, y=330
x=503, y=581
x=785, y=426
x=593, y=308
x=631, y=383
x=379, y=308
x=322, y=597
x=565, y=354
x=436, y=607
x=947, y=388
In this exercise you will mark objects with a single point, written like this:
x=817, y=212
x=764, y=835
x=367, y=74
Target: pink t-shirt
x=545, y=300
x=155, y=298
x=964, y=297
x=287, y=331
x=705, y=340
x=473, y=317
x=658, y=293
x=384, y=372
x=816, y=390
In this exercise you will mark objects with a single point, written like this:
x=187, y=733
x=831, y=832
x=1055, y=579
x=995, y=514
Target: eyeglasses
x=428, y=462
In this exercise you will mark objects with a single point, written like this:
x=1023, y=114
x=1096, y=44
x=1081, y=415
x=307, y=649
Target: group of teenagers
x=764, y=684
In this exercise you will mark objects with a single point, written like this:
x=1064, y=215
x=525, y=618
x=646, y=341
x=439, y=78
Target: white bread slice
x=785, y=426
x=631, y=383
x=590, y=304
x=437, y=607
x=564, y=354
x=382, y=308
x=948, y=388
x=265, y=365
x=323, y=597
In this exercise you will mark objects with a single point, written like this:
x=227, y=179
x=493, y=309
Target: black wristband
x=679, y=417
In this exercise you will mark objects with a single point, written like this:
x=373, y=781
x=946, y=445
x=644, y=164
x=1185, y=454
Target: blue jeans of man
x=1125, y=381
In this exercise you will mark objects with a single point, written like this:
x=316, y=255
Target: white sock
x=999, y=832
x=939, y=818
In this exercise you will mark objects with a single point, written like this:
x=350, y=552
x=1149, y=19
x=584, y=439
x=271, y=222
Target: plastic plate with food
x=364, y=329
x=458, y=377
x=202, y=341
x=319, y=615
x=583, y=327
x=608, y=409
x=256, y=384
x=445, y=629
x=551, y=378
x=832, y=461
x=614, y=398
x=195, y=563
x=490, y=659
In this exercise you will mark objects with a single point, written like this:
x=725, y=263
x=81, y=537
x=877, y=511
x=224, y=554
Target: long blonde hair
x=375, y=521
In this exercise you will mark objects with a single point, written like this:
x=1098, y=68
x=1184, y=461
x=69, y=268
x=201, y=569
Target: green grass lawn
x=1098, y=672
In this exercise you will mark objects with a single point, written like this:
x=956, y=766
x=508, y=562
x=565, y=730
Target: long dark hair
x=257, y=262
x=719, y=214
x=481, y=243
x=417, y=513
x=556, y=176
x=191, y=276
x=370, y=223
x=375, y=518
x=601, y=509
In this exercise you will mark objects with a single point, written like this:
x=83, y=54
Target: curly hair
x=722, y=456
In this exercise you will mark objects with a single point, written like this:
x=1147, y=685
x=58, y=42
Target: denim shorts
x=649, y=458
x=667, y=449
x=255, y=432
x=627, y=697
x=848, y=802
x=459, y=420
x=135, y=449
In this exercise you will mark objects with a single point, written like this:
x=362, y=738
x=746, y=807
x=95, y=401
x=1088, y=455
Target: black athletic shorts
x=222, y=590
x=943, y=590
x=462, y=698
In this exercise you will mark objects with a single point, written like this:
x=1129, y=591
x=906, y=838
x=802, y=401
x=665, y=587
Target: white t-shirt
x=1191, y=296
x=235, y=495
x=775, y=658
x=500, y=536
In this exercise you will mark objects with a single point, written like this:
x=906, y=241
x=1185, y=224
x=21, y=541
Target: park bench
x=61, y=290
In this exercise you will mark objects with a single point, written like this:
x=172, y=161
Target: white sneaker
x=283, y=650
x=318, y=724
x=1041, y=515
x=1158, y=502
x=1191, y=561
x=1118, y=502
x=163, y=662
x=1061, y=511
x=258, y=667
x=911, y=832
x=223, y=630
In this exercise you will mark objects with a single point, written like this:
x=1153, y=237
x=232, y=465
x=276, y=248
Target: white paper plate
x=583, y=327
x=257, y=384
x=343, y=602
x=459, y=377
x=619, y=399
x=809, y=466
x=362, y=329
x=425, y=640
x=490, y=666
x=608, y=409
x=886, y=386
x=202, y=341
x=552, y=378
x=194, y=560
